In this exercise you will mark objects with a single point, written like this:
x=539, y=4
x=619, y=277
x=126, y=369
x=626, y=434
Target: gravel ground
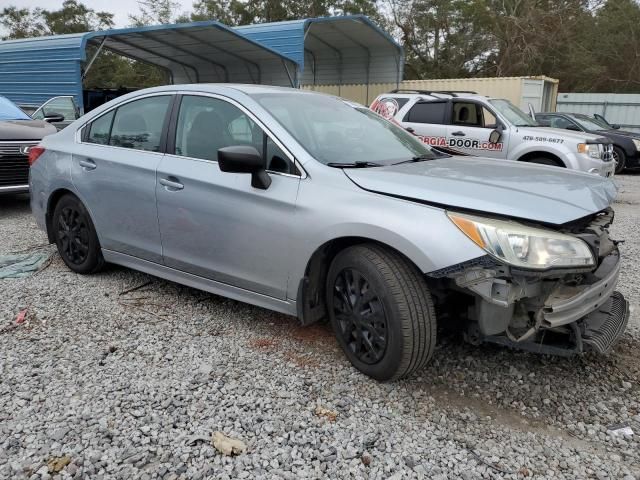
x=98, y=384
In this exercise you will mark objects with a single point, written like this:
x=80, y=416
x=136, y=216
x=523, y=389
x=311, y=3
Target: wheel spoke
x=73, y=234
x=359, y=316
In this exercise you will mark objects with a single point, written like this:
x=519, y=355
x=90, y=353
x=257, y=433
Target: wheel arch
x=310, y=298
x=542, y=153
x=53, y=200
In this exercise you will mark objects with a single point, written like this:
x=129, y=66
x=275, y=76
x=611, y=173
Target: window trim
x=173, y=123
x=82, y=132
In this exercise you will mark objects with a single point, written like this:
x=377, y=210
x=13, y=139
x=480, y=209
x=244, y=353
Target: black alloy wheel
x=381, y=311
x=73, y=233
x=620, y=158
x=75, y=236
x=360, y=316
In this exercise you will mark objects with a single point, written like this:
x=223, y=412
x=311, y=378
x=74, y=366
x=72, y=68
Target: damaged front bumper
x=562, y=312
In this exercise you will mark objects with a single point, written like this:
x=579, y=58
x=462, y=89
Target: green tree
x=21, y=22
x=154, y=12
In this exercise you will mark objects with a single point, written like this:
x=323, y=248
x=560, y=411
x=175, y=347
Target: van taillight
x=34, y=154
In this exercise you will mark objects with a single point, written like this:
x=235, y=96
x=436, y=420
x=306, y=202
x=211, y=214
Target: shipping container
x=540, y=91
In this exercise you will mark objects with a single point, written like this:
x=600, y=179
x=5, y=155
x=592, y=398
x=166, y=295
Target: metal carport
x=340, y=50
x=35, y=69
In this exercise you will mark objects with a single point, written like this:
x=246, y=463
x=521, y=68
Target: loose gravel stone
x=132, y=387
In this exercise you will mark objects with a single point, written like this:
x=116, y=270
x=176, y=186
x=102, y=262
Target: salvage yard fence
x=618, y=108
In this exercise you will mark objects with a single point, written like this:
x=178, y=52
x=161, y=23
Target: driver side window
x=206, y=125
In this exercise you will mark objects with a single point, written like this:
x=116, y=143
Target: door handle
x=171, y=184
x=409, y=129
x=87, y=164
x=459, y=134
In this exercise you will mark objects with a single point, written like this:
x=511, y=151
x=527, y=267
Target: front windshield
x=512, y=113
x=334, y=132
x=9, y=111
x=590, y=123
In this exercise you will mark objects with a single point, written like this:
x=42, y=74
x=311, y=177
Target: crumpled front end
x=561, y=312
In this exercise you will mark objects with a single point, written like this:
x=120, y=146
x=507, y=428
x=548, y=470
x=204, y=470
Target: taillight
x=34, y=154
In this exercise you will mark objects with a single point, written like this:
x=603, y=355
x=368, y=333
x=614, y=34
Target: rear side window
x=138, y=124
x=100, y=128
x=427, y=112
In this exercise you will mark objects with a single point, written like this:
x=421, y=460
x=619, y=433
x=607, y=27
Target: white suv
x=470, y=124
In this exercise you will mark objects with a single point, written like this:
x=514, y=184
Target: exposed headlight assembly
x=591, y=149
x=522, y=246
x=636, y=143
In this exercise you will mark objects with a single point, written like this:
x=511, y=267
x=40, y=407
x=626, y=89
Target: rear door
x=471, y=123
x=115, y=174
x=427, y=120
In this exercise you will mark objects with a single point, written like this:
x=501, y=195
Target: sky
x=120, y=8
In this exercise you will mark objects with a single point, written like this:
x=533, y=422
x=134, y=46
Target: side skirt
x=190, y=280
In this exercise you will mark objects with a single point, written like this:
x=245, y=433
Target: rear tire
x=381, y=312
x=75, y=236
x=620, y=158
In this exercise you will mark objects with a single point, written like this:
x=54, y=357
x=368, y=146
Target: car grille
x=14, y=165
x=606, y=152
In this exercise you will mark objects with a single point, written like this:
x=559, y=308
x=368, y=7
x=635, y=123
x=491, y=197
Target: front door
x=469, y=129
x=64, y=106
x=114, y=170
x=215, y=224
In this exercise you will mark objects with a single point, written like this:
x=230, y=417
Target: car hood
x=579, y=137
x=25, y=130
x=619, y=133
x=534, y=192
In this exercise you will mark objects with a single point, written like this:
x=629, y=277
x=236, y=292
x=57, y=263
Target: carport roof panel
x=205, y=48
x=347, y=32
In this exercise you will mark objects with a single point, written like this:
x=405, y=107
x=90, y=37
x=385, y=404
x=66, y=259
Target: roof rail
x=453, y=93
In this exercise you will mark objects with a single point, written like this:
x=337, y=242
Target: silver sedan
x=300, y=203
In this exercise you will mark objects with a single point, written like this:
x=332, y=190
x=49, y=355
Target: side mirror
x=615, y=126
x=494, y=136
x=575, y=128
x=244, y=159
x=53, y=117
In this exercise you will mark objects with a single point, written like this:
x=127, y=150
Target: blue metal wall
x=34, y=70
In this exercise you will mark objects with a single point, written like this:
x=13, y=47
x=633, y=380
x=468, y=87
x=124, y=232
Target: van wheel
x=381, y=312
x=620, y=158
x=76, y=236
x=546, y=161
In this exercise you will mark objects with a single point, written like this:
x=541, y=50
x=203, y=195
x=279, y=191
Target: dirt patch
x=262, y=343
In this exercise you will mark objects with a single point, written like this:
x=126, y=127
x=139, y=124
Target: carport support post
x=93, y=59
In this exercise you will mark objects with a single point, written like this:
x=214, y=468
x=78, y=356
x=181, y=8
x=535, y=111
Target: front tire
x=620, y=158
x=381, y=312
x=76, y=237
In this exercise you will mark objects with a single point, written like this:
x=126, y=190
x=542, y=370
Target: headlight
x=636, y=143
x=590, y=149
x=522, y=246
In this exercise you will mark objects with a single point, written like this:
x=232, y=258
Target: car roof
x=218, y=87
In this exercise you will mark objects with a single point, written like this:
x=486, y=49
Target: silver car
x=298, y=202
